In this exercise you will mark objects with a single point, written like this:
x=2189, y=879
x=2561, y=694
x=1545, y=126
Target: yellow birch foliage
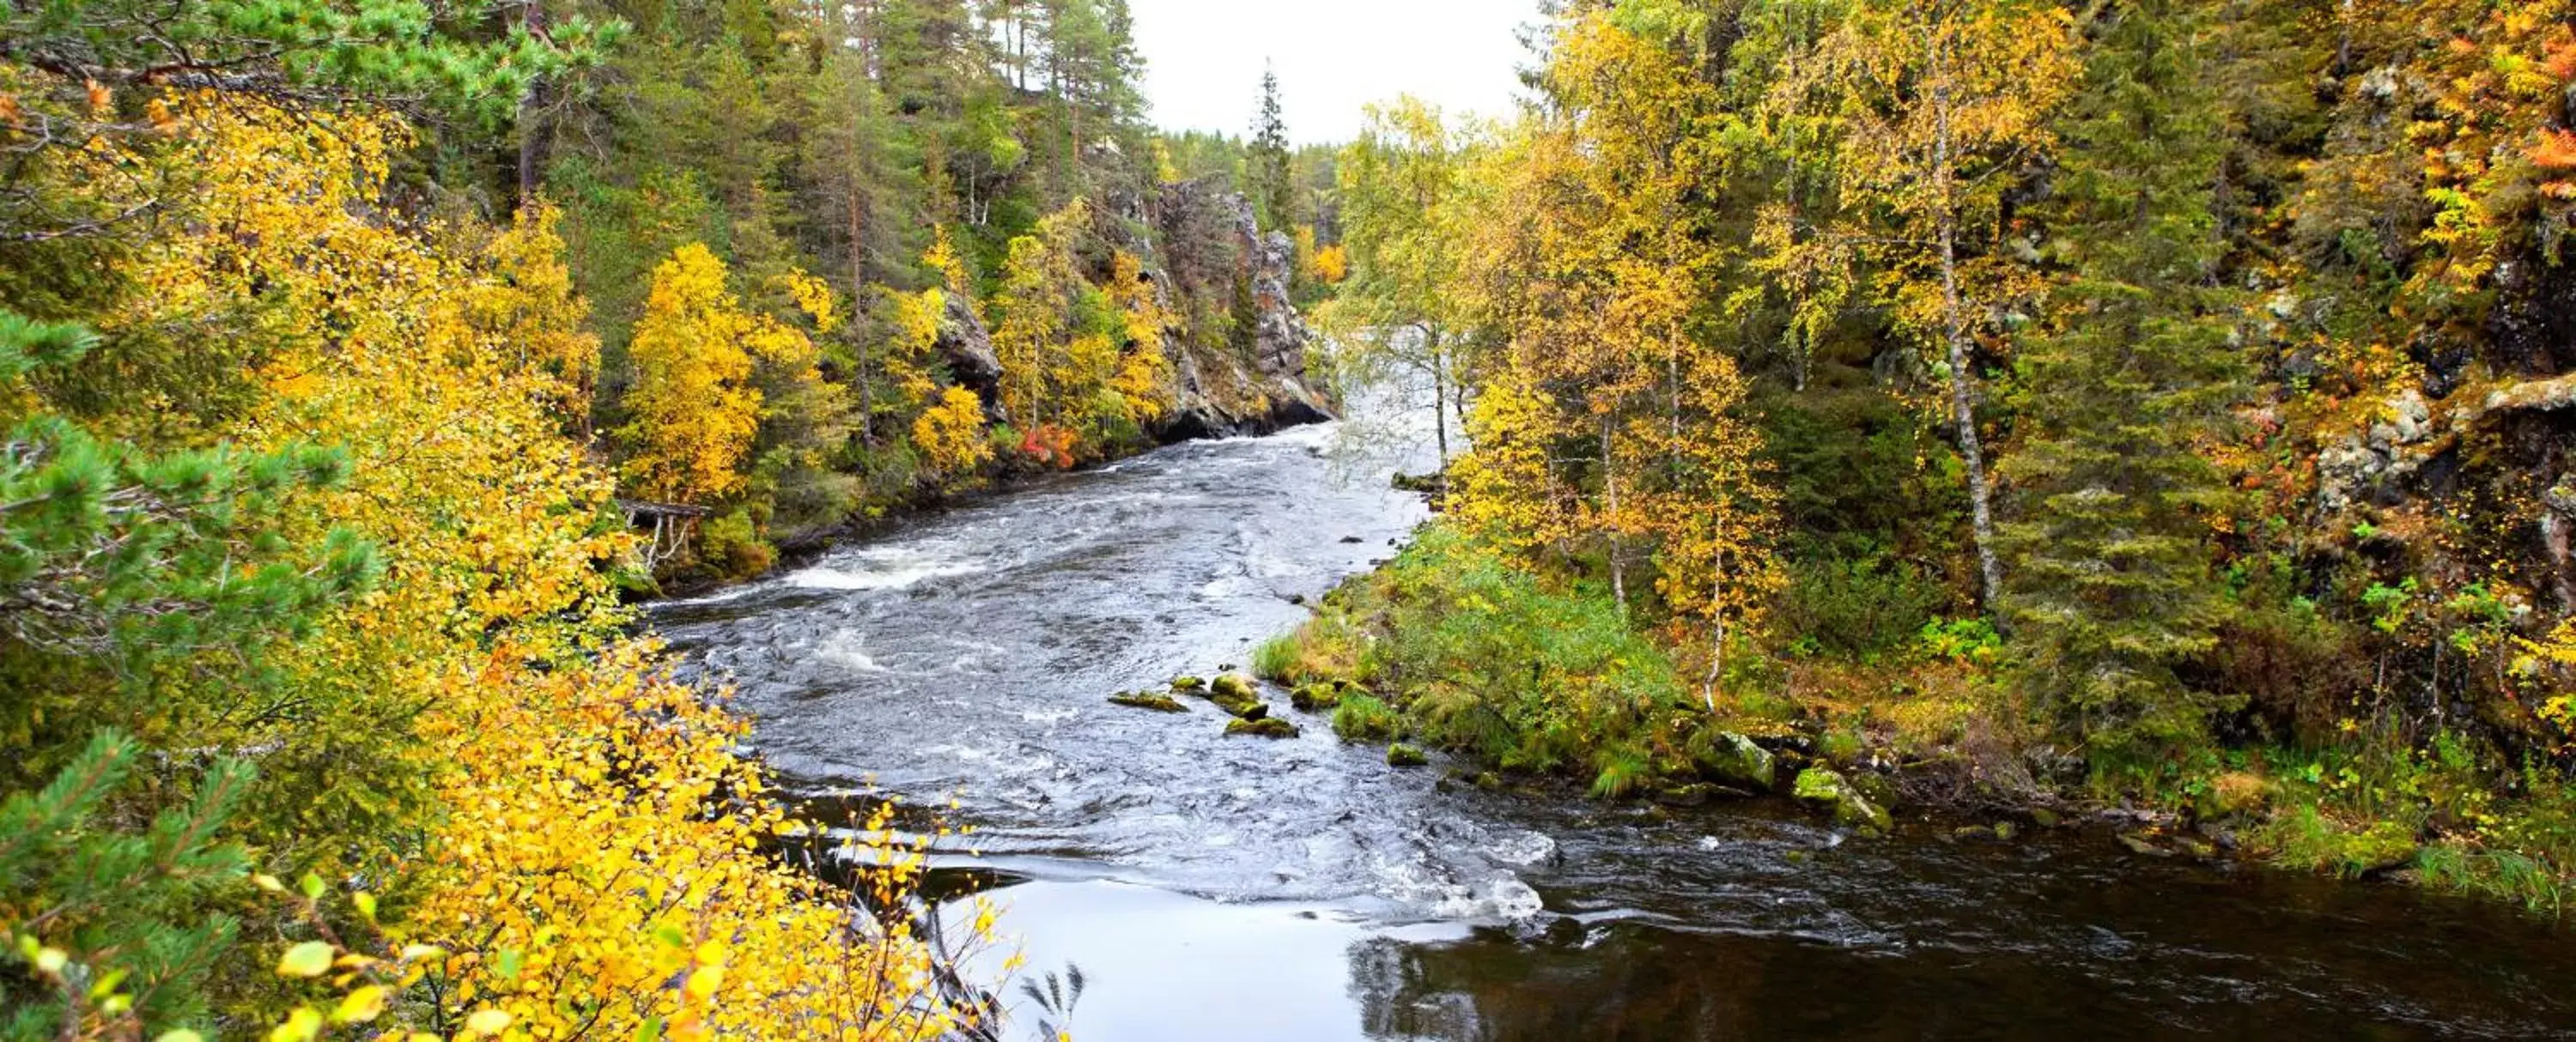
x=528, y=305
x=695, y=410
x=1612, y=421
x=1039, y=286
x=1144, y=373
x=568, y=823
x=950, y=434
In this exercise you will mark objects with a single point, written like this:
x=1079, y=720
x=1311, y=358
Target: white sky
x=1203, y=59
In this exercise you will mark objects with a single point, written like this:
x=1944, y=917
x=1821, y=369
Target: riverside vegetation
x=340, y=342
x=2149, y=402
x=2152, y=407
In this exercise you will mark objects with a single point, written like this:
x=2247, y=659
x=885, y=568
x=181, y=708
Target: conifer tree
x=2113, y=584
x=1273, y=182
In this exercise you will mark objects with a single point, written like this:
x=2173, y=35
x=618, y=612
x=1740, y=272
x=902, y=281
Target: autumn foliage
x=567, y=834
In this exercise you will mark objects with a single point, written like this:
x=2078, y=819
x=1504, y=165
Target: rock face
x=967, y=347
x=1239, y=359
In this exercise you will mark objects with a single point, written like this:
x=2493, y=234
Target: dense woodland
x=2155, y=405
x=1993, y=406
x=343, y=346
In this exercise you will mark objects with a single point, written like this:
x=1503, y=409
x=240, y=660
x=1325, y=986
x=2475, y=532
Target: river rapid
x=1215, y=888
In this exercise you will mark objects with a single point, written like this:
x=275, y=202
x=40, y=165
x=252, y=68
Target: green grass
x=1276, y=660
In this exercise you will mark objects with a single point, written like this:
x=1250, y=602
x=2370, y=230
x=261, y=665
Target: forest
x=1973, y=412
x=2151, y=405
x=363, y=362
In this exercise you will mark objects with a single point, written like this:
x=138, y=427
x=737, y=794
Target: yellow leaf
x=360, y=1006
x=303, y=1025
x=309, y=959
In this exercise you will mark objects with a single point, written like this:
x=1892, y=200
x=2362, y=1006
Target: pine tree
x=115, y=933
x=2113, y=584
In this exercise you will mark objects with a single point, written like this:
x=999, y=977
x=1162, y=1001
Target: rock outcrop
x=967, y=349
x=1240, y=356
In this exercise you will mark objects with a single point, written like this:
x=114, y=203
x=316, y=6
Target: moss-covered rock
x=1316, y=698
x=1188, y=685
x=1233, y=694
x=1245, y=708
x=1831, y=791
x=1874, y=785
x=1402, y=755
x=1266, y=727
x=1160, y=703
x=1733, y=760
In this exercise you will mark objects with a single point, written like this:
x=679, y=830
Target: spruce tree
x=2113, y=586
x=1274, y=186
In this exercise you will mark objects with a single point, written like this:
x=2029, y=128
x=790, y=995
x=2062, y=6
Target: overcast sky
x=1203, y=59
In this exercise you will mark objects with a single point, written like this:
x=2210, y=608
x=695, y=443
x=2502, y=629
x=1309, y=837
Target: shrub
x=1361, y=718
x=1859, y=608
x=732, y=545
x=1478, y=654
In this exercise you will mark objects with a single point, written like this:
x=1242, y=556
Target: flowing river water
x=1215, y=888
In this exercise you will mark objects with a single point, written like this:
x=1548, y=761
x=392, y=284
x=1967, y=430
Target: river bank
x=1531, y=678
x=1304, y=888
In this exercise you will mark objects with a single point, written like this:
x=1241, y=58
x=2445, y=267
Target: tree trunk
x=1618, y=546
x=1717, y=644
x=1439, y=399
x=1954, y=321
x=859, y=294
x=532, y=146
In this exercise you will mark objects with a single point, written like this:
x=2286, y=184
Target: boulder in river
x=1734, y=760
x=1188, y=685
x=1830, y=790
x=1265, y=727
x=1316, y=698
x=1160, y=703
x=1236, y=696
x=1402, y=755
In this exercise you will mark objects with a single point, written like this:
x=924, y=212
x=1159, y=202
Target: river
x=1215, y=888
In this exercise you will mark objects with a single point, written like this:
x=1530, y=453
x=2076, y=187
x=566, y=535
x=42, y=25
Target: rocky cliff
x=1239, y=352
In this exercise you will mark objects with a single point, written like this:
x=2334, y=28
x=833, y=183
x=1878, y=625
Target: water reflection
x=1628, y=981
